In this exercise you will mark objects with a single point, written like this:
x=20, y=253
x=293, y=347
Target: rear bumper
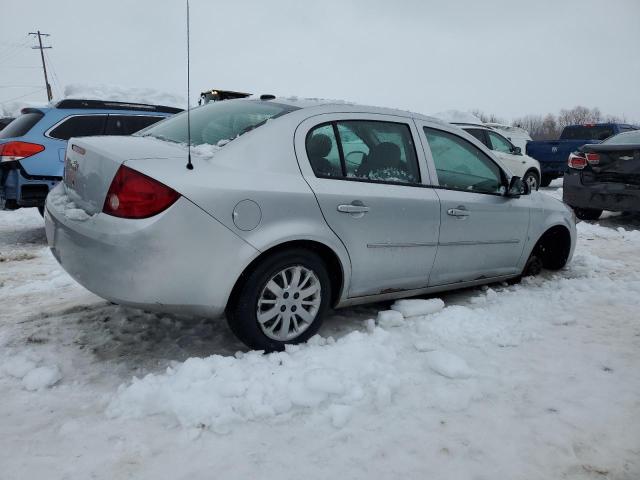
x=20, y=190
x=180, y=261
x=615, y=197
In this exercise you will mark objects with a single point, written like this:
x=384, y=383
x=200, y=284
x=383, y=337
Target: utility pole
x=44, y=67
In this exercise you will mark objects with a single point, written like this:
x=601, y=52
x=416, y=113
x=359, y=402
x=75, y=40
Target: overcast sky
x=504, y=57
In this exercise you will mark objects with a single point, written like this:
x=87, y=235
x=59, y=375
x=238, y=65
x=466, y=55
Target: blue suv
x=32, y=147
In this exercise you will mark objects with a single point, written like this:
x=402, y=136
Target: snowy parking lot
x=536, y=380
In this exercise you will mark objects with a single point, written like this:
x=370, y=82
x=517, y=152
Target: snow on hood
x=124, y=94
x=457, y=116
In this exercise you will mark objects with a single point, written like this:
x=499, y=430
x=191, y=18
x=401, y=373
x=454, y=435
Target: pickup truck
x=553, y=154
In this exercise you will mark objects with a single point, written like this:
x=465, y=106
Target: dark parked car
x=4, y=121
x=604, y=176
x=553, y=154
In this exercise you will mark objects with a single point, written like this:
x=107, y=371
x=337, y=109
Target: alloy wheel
x=289, y=303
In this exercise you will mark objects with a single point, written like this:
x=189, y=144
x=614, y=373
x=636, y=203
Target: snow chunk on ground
x=18, y=366
x=41, y=378
x=448, y=365
x=390, y=318
x=414, y=308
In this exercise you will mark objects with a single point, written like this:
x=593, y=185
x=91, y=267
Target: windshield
x=627, y=138
x=587, y=132
x=217, y=122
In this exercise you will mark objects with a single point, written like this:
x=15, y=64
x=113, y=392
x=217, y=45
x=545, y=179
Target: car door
x=482, y=232
x=367, y=175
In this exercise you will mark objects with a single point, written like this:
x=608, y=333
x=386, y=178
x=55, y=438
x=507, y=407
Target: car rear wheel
x=546, y=180
x=532, y=179
x=587, y=213
x=281, y=301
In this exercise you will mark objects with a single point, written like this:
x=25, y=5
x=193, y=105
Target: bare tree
x=486, y=117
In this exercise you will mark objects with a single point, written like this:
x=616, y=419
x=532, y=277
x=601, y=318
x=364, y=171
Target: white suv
x=519, y=163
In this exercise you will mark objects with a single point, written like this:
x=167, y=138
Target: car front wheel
x=587, y=213
x=531, y=178
x=281, y=301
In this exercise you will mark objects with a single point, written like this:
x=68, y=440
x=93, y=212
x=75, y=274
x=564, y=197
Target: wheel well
x=533, y=170
x=554, y=247
x=334, y=267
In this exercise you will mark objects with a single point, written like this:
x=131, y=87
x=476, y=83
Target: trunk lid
x=617, y=164
x=91, y=164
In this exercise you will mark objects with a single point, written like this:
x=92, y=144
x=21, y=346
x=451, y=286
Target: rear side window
x=479, y=134
x=79, y=126
x=460, y=165
x=367, y=150
x=323, y=152
x=21, y=125
x=128, y=124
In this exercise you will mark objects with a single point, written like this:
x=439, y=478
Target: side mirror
x=517, y=187
x=516, y=151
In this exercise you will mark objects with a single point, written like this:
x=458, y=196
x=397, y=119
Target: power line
x=44, y=67
x=22, y=96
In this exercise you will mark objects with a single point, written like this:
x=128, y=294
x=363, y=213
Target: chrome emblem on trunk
x=626, y=157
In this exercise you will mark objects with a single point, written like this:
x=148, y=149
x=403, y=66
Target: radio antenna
x=189, y=164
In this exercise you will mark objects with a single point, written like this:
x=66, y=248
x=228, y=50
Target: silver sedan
x=294, y=207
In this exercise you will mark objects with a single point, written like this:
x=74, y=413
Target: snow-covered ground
x=538, y=380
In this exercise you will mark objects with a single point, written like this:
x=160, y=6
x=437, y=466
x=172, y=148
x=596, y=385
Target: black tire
x=587, y=213
x=243, y=308
x=546, y=180
x=533, y=175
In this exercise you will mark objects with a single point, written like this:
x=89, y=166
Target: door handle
x=351, y=208
x=459, y=212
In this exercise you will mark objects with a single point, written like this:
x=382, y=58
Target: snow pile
x=448, y=365
x=325, y=375
x=33, y=377
x=457, y=116
x=59, y=199
x=591, y=230
x=123, y=94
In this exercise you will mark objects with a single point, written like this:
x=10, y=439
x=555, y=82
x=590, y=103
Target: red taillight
x=593, y=158
x=134, y=195
x=577, y=160
x=18, y=150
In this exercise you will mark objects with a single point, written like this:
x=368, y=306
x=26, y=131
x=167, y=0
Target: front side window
x=499, y=144
x=368, y=150
x=79, y=126
x=218, y=122
x=460, y=165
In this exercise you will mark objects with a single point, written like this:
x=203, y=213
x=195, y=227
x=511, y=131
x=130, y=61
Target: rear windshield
x=217, y=122
x=627, y=138
x=587, y=132
x=21, y=125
